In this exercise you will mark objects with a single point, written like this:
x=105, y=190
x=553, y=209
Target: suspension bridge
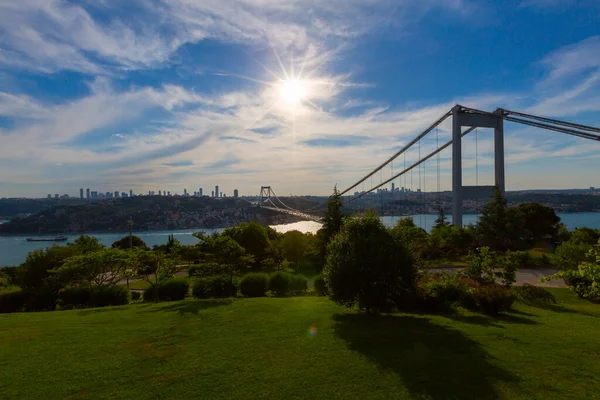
x=464, y=120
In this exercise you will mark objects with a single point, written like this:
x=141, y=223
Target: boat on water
x=60, y=238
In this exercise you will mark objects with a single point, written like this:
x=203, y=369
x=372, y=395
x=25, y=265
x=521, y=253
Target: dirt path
x=531, y=276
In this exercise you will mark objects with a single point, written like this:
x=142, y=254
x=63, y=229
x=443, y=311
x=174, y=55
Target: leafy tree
x=35, y=271
x=450, y=240
x=539, y=221
x=130, y=242
x=253, y=238
x=366, y=265
x=585, y=236
x=332, y=222
x=497, y=228
x=105, y=267
x=570, y=254
x=415, y=239
x=441, y=220
x=227, y=253
x=153, y=267
x=86, y=244
x=487, y=267
x=294, y=245
x=585, y=280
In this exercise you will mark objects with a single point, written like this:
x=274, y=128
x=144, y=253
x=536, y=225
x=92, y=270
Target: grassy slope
x=260, y=349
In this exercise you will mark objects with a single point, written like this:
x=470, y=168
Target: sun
x=293, y=91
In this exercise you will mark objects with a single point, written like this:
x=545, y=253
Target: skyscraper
x=87, y=193
x=185, y=193
x=393, y=187
x=217, y=191
x=130, y=193
x=81, y=193
x=160, y=192
x=235, y=193
x=212, y=194
x=116, y=193
x=200, y=193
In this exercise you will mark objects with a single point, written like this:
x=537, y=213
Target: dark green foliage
x=366, y=265
x=440, y=220
x=280, y=283
x=448, y=240
x=440, y=291
x=12, y=275
x=254, y=239
x=332, y=223
x=169, y=290
x=499, y=229
x=93, y=296
x=28, y=300
x=320, y=286
x=86, y=244
x=205, y=269
x=488, y=267
x=298, y=285
x=130, y=242
x=294, y=245
x=254, y=284
x=35, y=271
x=530, y=294
x=538, y=221
x=135, y=295
x=415, y=239
x=491, y=299
x=570, y=254
x=218, y=286
x=13, y=301
x=585, y=236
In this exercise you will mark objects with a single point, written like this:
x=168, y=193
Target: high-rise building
x=235, y=193
x=212, y=193
x=108, y=195
x=130, y=193
x=217, y=191
x=160, y=192
x=393, y=187
x=56, y=196
x=200, y=192
x=169, y=194
x=185, y=193
x=116, y=194
x=87, y=193
x=49, y=196
x=123, y=194
x=81, y=193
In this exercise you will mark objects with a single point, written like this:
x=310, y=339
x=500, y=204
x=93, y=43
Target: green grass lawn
x=262, y=349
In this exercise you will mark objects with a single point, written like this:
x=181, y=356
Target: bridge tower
x=462, y=116
x=265, y=194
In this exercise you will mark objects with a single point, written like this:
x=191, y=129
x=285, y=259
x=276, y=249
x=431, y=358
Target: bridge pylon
x=265, y=194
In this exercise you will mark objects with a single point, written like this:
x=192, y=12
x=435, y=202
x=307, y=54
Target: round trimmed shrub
x=491, y=299
x=319, y=285
x=170, y=290
x=102, y=296
x=218, y=286
x=298, y=285
x=77, y=297
x=254, y=284
x=280, y=283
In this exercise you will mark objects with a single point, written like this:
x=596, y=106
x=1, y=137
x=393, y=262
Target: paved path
x=531, y=276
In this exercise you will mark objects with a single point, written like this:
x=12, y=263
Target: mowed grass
x=262, y=349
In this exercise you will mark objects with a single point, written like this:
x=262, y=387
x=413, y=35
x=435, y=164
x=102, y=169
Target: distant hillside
x=147, y=213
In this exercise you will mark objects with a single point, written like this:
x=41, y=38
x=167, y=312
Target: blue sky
x=167, y=95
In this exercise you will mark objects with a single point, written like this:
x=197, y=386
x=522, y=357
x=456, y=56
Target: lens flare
x=312, y=331
x=293, y=91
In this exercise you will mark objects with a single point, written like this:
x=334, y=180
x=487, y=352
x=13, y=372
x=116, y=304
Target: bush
x=115, y=295
x=13, y=302
x=218, y=286
x=95, y=296
x=585, y=280
x=254, y=285
x=78, y=297
x=530, y=294
x=570, y=254
x=298, y=285
x=26, y=300
x=367, y=265
x=135, y=295
x=203, y=270
x=487, y=267
x=438, y=292
x=169, y=290
x=320, y=286
x=490, y=299
x=280, y=283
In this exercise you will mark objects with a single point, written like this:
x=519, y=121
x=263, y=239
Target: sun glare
x=293, y=91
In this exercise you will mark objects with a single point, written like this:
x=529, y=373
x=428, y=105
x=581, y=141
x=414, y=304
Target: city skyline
x=312, y=100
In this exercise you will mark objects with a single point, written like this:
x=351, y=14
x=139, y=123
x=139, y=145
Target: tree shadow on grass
x=188, y=306
x=92, y=311
x=432, y=360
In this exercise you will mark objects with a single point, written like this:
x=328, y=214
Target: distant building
x=81, y=193
x=130, y=193
x=393, y=187
x=56, y=196
x=592, y=188
x=87, y=193
x=108, y=195
x=217, y=191
x=235, y=193
x=123, y=194
x=160, y=193
x=49, y=196
x=212, y=194
x=200, y=193
x=185, y=193
x=116, y=194
x=169, y=194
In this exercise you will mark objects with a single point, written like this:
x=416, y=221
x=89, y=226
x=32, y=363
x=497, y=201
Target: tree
x=105, y=267
x=35, y=271
x=254, y=239
x=86, y=244
x=227, y=253
x=366, y=266
x=294, y=245
x=585, y=236
x=498, y=229
x=155, y=268
x=570, y=254
x=450, y=240
x=441, y=220
x=129, y=242
x=415, y=239
x=539, y=221
x=332, y=222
